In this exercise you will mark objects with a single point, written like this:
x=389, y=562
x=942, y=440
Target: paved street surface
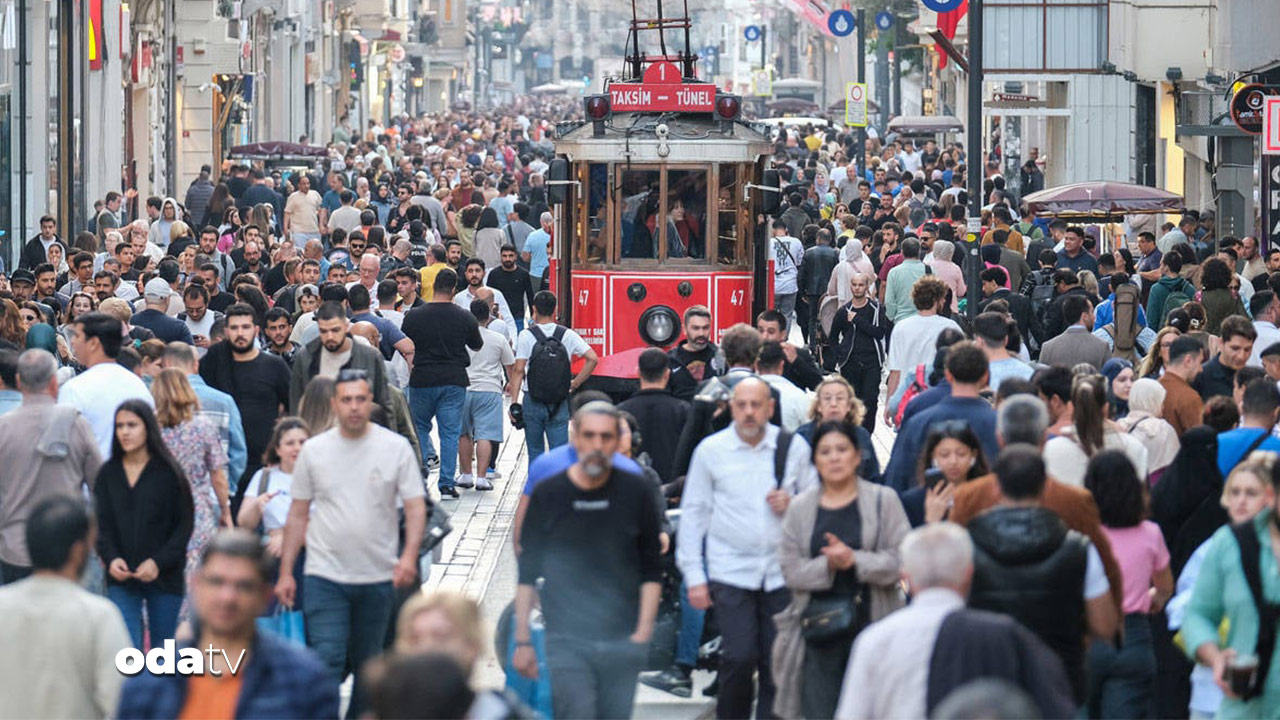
x=476, y=559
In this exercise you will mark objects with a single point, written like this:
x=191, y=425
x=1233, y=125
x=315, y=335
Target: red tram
x=656, y=197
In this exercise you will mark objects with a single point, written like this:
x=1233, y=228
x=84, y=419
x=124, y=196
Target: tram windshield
x=672, y=213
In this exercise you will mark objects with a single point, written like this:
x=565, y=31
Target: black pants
x=866, y=385
x=804, y=312
x=746, y=646
x=12, y=573
x=593, y=678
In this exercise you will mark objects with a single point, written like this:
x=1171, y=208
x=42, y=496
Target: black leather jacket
x=815, y=269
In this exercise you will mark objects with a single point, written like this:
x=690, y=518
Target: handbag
x=438, y=526
x=288, y=624
x=831, y=618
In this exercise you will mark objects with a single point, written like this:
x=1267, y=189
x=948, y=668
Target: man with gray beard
x=591, y=533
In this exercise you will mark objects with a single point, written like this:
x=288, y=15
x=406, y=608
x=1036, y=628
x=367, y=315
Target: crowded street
x=561, y=359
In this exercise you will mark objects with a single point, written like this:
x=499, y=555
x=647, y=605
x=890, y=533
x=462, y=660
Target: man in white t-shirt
x=795, y=402
x=98, y=391
x=302, y=214
x=347, y=485
x=346, y=216
x=482, y=410
x=198, y=317
x=787, y=254
x=549, y=414
x=913, y=340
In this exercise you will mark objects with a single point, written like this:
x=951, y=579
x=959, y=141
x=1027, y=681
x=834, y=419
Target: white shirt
x=1268, y=334
x=97, y=392
x=487, y=363
x=277, y=511
x=913, y=339
x=724, y=505
x=204, y=327
x=787, y=254
x=572, y=341
x=1066, y=461
x=795, y=402
x=345, y=217
x=464, y=299
x=888, y=671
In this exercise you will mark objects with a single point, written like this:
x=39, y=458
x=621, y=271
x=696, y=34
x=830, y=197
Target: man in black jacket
x=661, y=415
x=1065, y=283
x=1019, y=307
x=1218, y=376
x=35, y=251
x=858, y=334
x=815, y=273
x=801, y=369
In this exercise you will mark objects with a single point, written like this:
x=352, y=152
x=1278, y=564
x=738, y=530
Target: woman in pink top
x=1123, y=677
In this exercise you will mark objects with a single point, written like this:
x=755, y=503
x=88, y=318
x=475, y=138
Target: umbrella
x=1102, y=200
x=791, y=105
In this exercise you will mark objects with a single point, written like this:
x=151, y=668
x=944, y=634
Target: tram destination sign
x=662, y=90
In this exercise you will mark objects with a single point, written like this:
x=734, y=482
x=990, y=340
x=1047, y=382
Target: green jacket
x=1159, y=292
x=1222, y=592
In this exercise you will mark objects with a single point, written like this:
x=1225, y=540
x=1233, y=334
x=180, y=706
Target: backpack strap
x=264, y=481
x=558, y=335
x=1253, y=446
x=780, y=456
x=538, y=335
x=1268, y=614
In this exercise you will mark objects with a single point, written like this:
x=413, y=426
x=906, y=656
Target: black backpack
x=549, y=368
x=1268, y=613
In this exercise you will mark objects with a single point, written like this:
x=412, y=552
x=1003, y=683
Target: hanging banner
x=96, y=35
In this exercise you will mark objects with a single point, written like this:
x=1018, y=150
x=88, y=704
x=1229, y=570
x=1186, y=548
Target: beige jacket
x=884, y=525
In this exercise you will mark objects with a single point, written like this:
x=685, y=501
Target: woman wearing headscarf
x=947, y=271
x=852, y=260
x=1119, y=375
x=1144, y=422
x=159, y=232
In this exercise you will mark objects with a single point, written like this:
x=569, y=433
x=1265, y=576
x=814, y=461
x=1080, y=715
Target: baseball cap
x=157, y=289
x=22, y=276
x=306, y=290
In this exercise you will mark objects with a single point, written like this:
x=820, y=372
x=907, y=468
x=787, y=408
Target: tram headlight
x=659, y=325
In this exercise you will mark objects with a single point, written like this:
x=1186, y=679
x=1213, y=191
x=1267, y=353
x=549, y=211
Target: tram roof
x=690, y=138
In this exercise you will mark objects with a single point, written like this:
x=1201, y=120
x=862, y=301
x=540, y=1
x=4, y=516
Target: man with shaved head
x=727, y=548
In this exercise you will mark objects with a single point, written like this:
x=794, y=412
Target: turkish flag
x=947, y=23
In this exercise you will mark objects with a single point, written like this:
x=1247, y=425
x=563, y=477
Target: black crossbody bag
x=838, y=617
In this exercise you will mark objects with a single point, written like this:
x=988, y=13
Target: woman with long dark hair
x=1219, y=300
x=1123, y=677
x=952, y=456
x=489, y=238
x=1091, y=431
x=219, y=202
x=839, y=557
x=145, y=514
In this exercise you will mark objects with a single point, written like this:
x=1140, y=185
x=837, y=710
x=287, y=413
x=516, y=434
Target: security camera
x=662, y=130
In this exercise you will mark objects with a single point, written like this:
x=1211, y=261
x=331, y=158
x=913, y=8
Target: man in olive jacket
x=336, y=347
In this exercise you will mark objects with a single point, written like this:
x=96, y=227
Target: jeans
x=786, y=304
x=1121, y=679
x=747, y=632
x=690, y=636
x=300, y=238
x=162, y=611
x=346, y=626
x=444, y=403
x=519, y=324
x=12, y=573
x=866, y=385
x=593, y=678
x=538, y=419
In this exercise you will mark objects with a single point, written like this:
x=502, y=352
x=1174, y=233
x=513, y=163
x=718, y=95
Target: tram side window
x=597, y=195
x=641, y=211
x=686, y=206
x=727, y=217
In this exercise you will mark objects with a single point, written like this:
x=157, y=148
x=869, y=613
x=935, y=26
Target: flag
x=947, y=23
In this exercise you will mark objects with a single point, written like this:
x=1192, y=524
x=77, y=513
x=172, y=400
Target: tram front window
x=686, y=206
x=640, y=191
x=597, y=212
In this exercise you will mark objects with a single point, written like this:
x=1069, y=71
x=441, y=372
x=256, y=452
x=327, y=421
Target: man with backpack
x=740, y=481
x=1170, y=291
x=544, y=370
x=1121, y=321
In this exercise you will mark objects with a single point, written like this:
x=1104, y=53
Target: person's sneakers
x=465, y=481
x=483, y=484
x=712, y=689
x=449, y=493
x=433, y=463
x=493, y=474
x=670, y=680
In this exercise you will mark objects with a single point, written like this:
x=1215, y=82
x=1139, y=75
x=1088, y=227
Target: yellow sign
x=855, y=104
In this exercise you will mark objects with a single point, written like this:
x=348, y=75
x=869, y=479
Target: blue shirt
x=390, y=334
x=1106, y=313
x=553, y=462
x=1082, y=261
x=504, y=206
x=332, y=200
x=1233, y=443
x=536, y=246
x=904, y=460
x=221, y=409
x=10, y=400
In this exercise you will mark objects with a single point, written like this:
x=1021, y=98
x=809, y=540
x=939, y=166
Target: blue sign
x=751, y=33
x=941, y=6
x=709, y=52
x=884, y=19
x=841, y=23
